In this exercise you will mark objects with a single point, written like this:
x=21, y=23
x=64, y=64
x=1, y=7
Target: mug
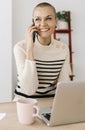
x=27, y=110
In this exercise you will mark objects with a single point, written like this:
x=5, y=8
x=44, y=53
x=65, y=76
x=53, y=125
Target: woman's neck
x=44, y=41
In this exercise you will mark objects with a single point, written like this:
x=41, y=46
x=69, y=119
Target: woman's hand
x=29, y=36
x=29, y=41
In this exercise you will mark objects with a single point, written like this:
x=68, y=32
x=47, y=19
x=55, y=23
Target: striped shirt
x=50, y=65
x=48, y=73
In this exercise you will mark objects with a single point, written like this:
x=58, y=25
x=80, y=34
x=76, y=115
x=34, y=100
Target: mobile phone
x=34, y=33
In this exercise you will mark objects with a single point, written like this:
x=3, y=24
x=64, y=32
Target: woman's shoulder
x=60, y=44
x=21, y=45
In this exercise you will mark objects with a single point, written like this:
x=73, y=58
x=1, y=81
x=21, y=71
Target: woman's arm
x=26, y=67
x=26, y=70
x=66, y=70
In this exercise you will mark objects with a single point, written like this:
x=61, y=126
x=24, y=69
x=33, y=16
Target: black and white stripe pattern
x=48, y=73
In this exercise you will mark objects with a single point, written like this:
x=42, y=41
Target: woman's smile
x=44, y=29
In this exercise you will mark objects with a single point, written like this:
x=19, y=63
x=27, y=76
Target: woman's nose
x=43, y=22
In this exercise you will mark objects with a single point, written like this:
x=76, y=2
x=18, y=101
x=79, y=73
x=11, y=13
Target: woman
x=43, y=63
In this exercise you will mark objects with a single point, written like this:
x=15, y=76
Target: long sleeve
x=26, y=70
x=66, y=70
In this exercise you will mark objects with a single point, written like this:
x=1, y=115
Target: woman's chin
x=45, y=36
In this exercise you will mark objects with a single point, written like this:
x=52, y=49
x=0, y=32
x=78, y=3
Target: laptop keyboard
x=47, y=115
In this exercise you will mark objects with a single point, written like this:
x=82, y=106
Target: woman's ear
x=56, y=20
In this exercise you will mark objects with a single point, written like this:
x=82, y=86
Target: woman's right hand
x=29, y=36
x=29, y=41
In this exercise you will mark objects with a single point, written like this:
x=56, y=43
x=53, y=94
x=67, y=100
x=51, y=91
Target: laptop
x=68, y=105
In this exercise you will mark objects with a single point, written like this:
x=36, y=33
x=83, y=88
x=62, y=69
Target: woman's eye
x=37, y=20
x=48, y=18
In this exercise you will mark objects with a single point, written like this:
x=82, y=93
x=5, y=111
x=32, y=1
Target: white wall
x=5, y=50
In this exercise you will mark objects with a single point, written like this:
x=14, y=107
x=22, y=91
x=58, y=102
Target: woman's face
x=45, y=21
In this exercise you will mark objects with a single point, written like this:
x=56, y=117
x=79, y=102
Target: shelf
x=67, y=31
x=62, y=31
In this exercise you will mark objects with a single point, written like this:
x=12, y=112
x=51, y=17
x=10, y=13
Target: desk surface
x=10, y=122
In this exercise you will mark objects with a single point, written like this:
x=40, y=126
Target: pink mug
x=27, y=110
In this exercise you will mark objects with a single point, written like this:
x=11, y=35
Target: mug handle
x=37, y=111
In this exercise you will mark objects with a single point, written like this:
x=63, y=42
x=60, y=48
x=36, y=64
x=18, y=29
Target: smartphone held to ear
x=35, y=32
x=34, y=35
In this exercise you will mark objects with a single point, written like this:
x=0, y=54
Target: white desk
x=10, y=122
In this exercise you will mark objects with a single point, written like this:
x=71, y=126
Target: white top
x=38, y=77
